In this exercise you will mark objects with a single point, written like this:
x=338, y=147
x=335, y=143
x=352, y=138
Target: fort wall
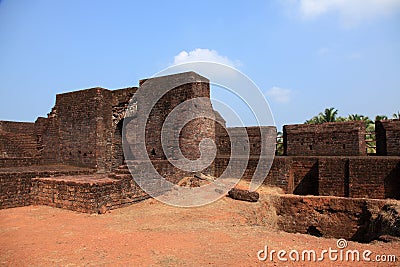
x=327, y=139
x=84, y=129
x=388, y=137
x=17, y=139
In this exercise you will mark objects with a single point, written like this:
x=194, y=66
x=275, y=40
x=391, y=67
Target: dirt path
x=149, y=233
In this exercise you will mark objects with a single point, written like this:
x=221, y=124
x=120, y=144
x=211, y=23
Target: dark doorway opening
x=119, y=153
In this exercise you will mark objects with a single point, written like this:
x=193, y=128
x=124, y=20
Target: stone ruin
x=73, y=158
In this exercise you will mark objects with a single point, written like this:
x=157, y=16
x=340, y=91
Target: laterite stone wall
x=327, y=139
x=388, y=137
x=17, y=139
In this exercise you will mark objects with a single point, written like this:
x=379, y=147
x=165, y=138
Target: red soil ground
x=225, y=233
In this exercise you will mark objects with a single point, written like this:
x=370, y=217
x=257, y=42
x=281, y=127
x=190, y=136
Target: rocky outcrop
x=356, y=219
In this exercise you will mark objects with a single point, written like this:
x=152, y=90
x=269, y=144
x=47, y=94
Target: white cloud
x=351, y=11
x=200, y=54
x=280, y=95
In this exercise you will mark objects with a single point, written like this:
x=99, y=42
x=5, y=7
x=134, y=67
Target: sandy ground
x=225, y=233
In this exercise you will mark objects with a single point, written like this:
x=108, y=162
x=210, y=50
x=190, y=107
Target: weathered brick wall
x=248, y=157
x=304, y=171
x=122, y=96
x=20, y=162
x=238, y=135
x=221, y=136
x=374, y=177
x=333, y=176
x=327, y=139
x=86, y=196
x=253, y=139
x=387, y=137
x=41, y=125
x=169, y=171
x=27, y=128
x=280, y=174
x=194, y=86
x=81, y=123
x=195, y=131
x=82, y=128
x=164, y=168
x=48, y=135
x=236, y=167
x=104, y=132
x=62, y=194
x=120, y=102
x=85, y=127
x=15, y=189
x=17, y=139
x=369, y=177
x=364, y=176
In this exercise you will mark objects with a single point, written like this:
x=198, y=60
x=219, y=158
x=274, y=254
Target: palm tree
x=341, y=119
x=381, y=118
x=314, y=120
x=358, y=117
x=396, y=115
x=329, y=115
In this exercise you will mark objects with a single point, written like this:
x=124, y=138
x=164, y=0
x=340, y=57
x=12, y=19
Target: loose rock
x=244, y=195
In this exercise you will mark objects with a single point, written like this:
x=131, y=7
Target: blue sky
x=304, y=55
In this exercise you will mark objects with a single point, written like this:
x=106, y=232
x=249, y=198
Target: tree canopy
x=331, y=115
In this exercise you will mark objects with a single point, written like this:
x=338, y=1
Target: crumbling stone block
x=244, y=195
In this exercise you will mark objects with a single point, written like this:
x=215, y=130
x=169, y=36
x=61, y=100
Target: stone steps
x=122, y=169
